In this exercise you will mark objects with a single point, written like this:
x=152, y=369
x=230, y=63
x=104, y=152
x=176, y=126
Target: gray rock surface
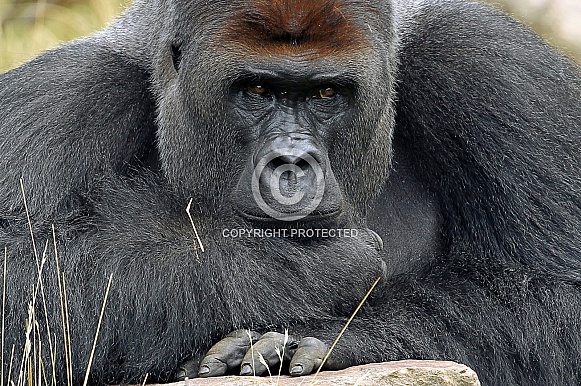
x=400, y=373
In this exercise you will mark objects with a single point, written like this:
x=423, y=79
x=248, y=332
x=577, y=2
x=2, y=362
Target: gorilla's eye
x=176, y=55
x=257, y=89
x=325, y=93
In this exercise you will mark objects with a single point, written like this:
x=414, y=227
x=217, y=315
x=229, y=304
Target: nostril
x=277, y=162
x=303, y=164
x=290, y=159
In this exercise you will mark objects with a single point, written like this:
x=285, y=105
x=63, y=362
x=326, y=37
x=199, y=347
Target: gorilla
x=242, y=168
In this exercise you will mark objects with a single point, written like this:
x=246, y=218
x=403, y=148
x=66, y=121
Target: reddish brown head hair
x=285, y=26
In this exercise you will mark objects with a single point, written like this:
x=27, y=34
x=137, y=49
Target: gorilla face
x=286, y=109
x=289, y=120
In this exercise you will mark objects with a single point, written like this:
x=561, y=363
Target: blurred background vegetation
x=28, y=27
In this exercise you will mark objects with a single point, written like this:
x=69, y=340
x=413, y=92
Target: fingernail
x=181, y=374
x=246, y=369
x=204, y=370
x=297, y=369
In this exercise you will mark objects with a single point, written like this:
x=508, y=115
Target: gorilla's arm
x=69, y=117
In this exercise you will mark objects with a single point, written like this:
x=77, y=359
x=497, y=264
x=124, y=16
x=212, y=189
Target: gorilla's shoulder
x=441, y=40
x=439, y=24
x=82, y=95
x=83, y=68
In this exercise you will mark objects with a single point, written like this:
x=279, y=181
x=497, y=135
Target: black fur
x=477, y=120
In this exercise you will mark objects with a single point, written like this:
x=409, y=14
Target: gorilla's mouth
x=293, y=218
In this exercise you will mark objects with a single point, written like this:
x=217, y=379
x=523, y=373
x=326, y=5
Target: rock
x=400, y=373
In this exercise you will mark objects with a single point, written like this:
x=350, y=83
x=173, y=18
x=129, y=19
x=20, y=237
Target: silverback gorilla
x=322, y=144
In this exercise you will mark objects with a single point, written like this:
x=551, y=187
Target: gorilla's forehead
x=294, y=28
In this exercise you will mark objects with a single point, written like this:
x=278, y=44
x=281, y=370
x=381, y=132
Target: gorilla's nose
x=291, y=170
x=295, y=149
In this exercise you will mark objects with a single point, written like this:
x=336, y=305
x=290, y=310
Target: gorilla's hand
x=254, y=354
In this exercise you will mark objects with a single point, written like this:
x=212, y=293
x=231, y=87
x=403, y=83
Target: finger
x=188, y=369
x=308, y=356
x=267, y=355
x=227, y=354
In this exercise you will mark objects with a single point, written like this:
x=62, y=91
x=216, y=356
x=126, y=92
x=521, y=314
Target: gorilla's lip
x=311, y=218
